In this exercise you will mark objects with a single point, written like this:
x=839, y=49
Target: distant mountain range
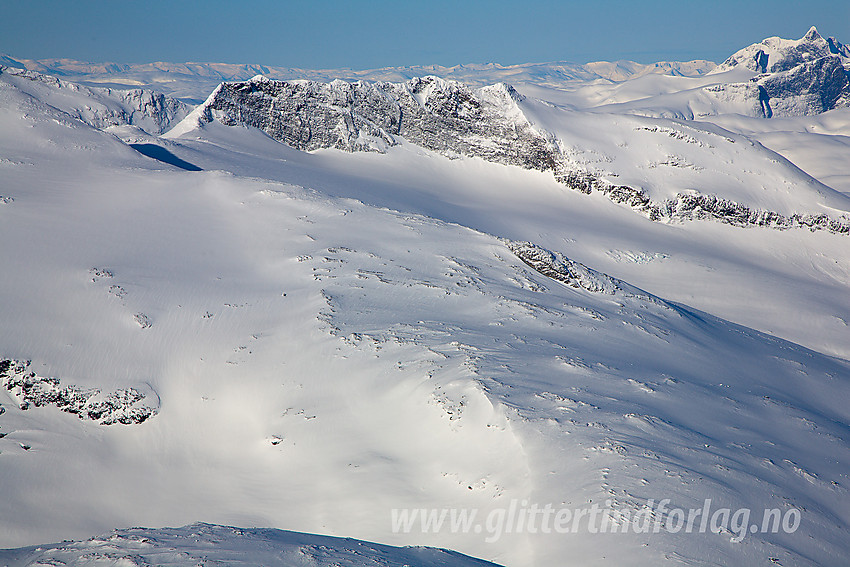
x=196, y=80
x=775, y=77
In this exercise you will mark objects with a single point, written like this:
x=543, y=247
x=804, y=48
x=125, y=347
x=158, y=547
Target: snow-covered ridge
x=447, y=117
x=149, y=110
x=202, y=544
x=774, y=78
x=455, y=120
x=125, y=405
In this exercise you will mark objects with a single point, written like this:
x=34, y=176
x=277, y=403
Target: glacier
x=599, y=286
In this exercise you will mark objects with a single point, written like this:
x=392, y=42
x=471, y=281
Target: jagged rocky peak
x=774, y=54
x=794, y=77
x=444, y=116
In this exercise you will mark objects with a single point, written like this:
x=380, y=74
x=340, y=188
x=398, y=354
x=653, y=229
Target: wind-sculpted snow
x=122, y=406
x=205, y=544
x=101, y=107
x=632, y=382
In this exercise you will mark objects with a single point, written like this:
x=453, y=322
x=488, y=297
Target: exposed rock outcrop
x=122, y=406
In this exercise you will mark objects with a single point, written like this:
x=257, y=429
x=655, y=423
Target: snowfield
x=319, y=306
x=203, y=543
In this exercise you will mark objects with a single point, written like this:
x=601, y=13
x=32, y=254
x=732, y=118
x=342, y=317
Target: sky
x=379, y=33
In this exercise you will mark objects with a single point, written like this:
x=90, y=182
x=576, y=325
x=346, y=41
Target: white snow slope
x=309, y=341
x=203, y=544
x=101, y=107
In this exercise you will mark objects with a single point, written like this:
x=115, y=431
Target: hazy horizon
x=332, y=34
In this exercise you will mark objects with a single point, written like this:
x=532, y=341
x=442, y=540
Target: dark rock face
x=444, y=116
x=143, y=104
x=838, y=48
x=797, y=77
x=775, y=55
x=696, y=206
x=692, y=205
x=761, y=59
x=121, y=406
x=810, y=88
x=307, y=115
x=558, y=267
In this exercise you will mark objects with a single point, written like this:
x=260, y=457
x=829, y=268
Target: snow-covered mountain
x=497, y=124
x=773, y=78
x=776, y=55
x=148, y=110
x=796, y=77
x=328, y=306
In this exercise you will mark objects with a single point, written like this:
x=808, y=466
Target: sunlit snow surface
x=328, y=336
x=203, y=544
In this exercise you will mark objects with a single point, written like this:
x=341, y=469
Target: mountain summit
x=775, y=55
x=806, y=76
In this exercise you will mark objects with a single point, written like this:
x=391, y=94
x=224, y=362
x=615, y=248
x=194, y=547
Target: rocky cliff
x=795, y=77
x=444, y=116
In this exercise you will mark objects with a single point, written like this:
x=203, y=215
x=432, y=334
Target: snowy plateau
x=282, y=308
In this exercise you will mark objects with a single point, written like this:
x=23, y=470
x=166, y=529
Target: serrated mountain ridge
x=447, y=117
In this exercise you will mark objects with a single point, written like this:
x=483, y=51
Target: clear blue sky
x=366, y=34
